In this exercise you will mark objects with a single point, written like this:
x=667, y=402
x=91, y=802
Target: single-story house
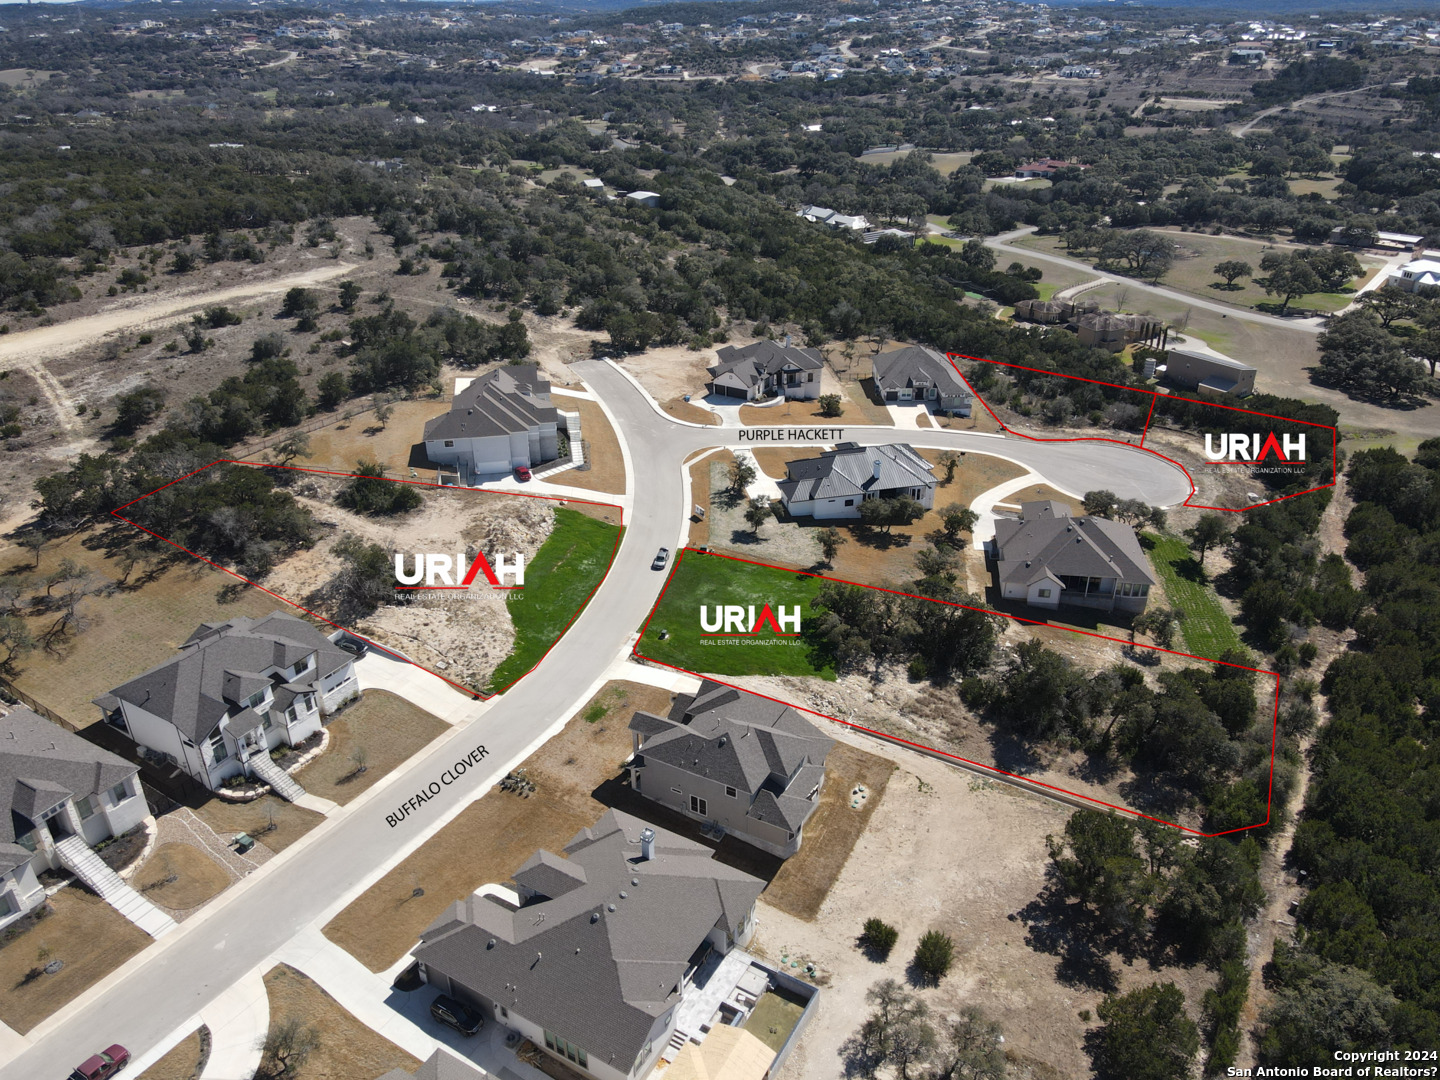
x=1418, y=276
x=915, y=373
x=645, y=198
x=1045, y=168
x=54, y=785
x=838, y=481
x=592, y=954
x=1201, y=371
x=823, y=215
x=766, y=369
x=1048, y=558
x=502, y=420
x=235, y=691
x=748, y=764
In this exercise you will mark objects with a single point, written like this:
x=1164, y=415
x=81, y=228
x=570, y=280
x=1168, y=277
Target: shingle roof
x=760, y=747
x=1046, y=541
x=850, y=470
x=42, y=764
x=753, y=362
x=599, y=964
x=501, y=402
x=441, y=1065
x=917, y=367
x=197, y=688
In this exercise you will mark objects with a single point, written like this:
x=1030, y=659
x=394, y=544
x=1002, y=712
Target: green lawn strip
x=1208, y=631
x=558, y=581
x=711, y=580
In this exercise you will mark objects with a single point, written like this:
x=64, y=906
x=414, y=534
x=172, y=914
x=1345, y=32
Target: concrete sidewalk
x=238, y=1020
x=378, y=670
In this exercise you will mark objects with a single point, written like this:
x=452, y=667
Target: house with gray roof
x=738, y=762
x=766, y=369
x=496, y=423
x=235, y=691
x=918, y=374
x=1049, y=558
x=834, y=484
x=441, y=1065
x=54, y=785
x=593, y=954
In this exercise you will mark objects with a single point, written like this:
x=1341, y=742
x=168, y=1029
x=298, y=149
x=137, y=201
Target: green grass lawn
x=1208, y=631
x=558, y=582
x=711, y=580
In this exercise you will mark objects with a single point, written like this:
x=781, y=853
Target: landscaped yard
x=180, y=877
x=711, y=580
x=773, y=1018
x=1207, y=630
x=558, y=583
x=348, y=1049
x=181, y=1063
x=130, y=630
x=602, y=450
x=90, y=937
x=229, y=819
x=378, y=732
x=494, y=835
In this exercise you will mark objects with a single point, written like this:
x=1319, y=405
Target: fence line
x=29, y=702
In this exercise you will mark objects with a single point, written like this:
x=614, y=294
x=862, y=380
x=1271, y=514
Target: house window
x=1044, y=594
x=218, y=750
x=730, y=791
x=7, y=906
x=849, y=502
x=255, y=699
x=449, y=442
x=84, y=807
x=697, y=805
x=561, y=1048
x=677, y=791
x=119, y=793
x=810, y=376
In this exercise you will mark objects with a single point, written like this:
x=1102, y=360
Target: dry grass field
x=181, y=1063
x=348, y=1049
x=197, y=877
x=230, y=819
x=378, y=732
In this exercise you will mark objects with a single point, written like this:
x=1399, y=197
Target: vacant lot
x=83, y=932
x=181, y=1063
x=398, y=444
x=558, y=583
x=290, y=822
x=710, y=580
x=348, y=1049
x=369, y=739
x=602, y=450
x=132, y=628
x=1207, y=629
x=495, y=834
x=180, y=877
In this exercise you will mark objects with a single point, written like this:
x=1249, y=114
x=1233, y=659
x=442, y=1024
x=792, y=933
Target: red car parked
x=522, y=472
x=103, y=1065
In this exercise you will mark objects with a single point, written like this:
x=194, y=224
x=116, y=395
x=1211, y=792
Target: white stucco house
x=766, y=369
x=235, y=691
x=833, y=485
x=1049, y=558
x=496, y=423
x=55, y=785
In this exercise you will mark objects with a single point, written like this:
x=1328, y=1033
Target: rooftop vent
x=647, y=844
x=594, y=917
x=610, y=908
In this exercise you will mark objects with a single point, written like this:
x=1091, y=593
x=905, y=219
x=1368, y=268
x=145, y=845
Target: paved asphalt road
x=189, y=968
x=1005, y=242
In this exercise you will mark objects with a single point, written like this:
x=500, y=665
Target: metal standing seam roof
x=501, y=402
x=916, y=366
x=42, y=765
x=195, y=690
x=763, y=749
x=1047, y=542
x=849, y=470
x=602, y=961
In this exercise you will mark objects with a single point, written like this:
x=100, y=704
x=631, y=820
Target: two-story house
x=1048, y=558
x=496, y=423
x=55, y=785
x=766, y=369
x=592, y=955
x=745, y=763
x=834, y=484
x=236, y=690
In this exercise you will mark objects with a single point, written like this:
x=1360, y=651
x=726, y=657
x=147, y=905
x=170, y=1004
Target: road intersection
x=146, y=1002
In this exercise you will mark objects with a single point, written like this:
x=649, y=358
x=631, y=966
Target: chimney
x=647, y=844
x=875, y=469
x=787, y=341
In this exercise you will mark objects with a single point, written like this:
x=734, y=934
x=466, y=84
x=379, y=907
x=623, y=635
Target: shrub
x=830, y=405
x=879, y=937
x=934, y=955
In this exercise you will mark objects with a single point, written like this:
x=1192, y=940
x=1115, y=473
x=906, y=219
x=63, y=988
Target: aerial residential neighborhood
x=719, y=541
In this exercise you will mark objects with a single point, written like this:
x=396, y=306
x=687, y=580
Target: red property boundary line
x=1154, y=395
x=1023, y=780
x=477, y=695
